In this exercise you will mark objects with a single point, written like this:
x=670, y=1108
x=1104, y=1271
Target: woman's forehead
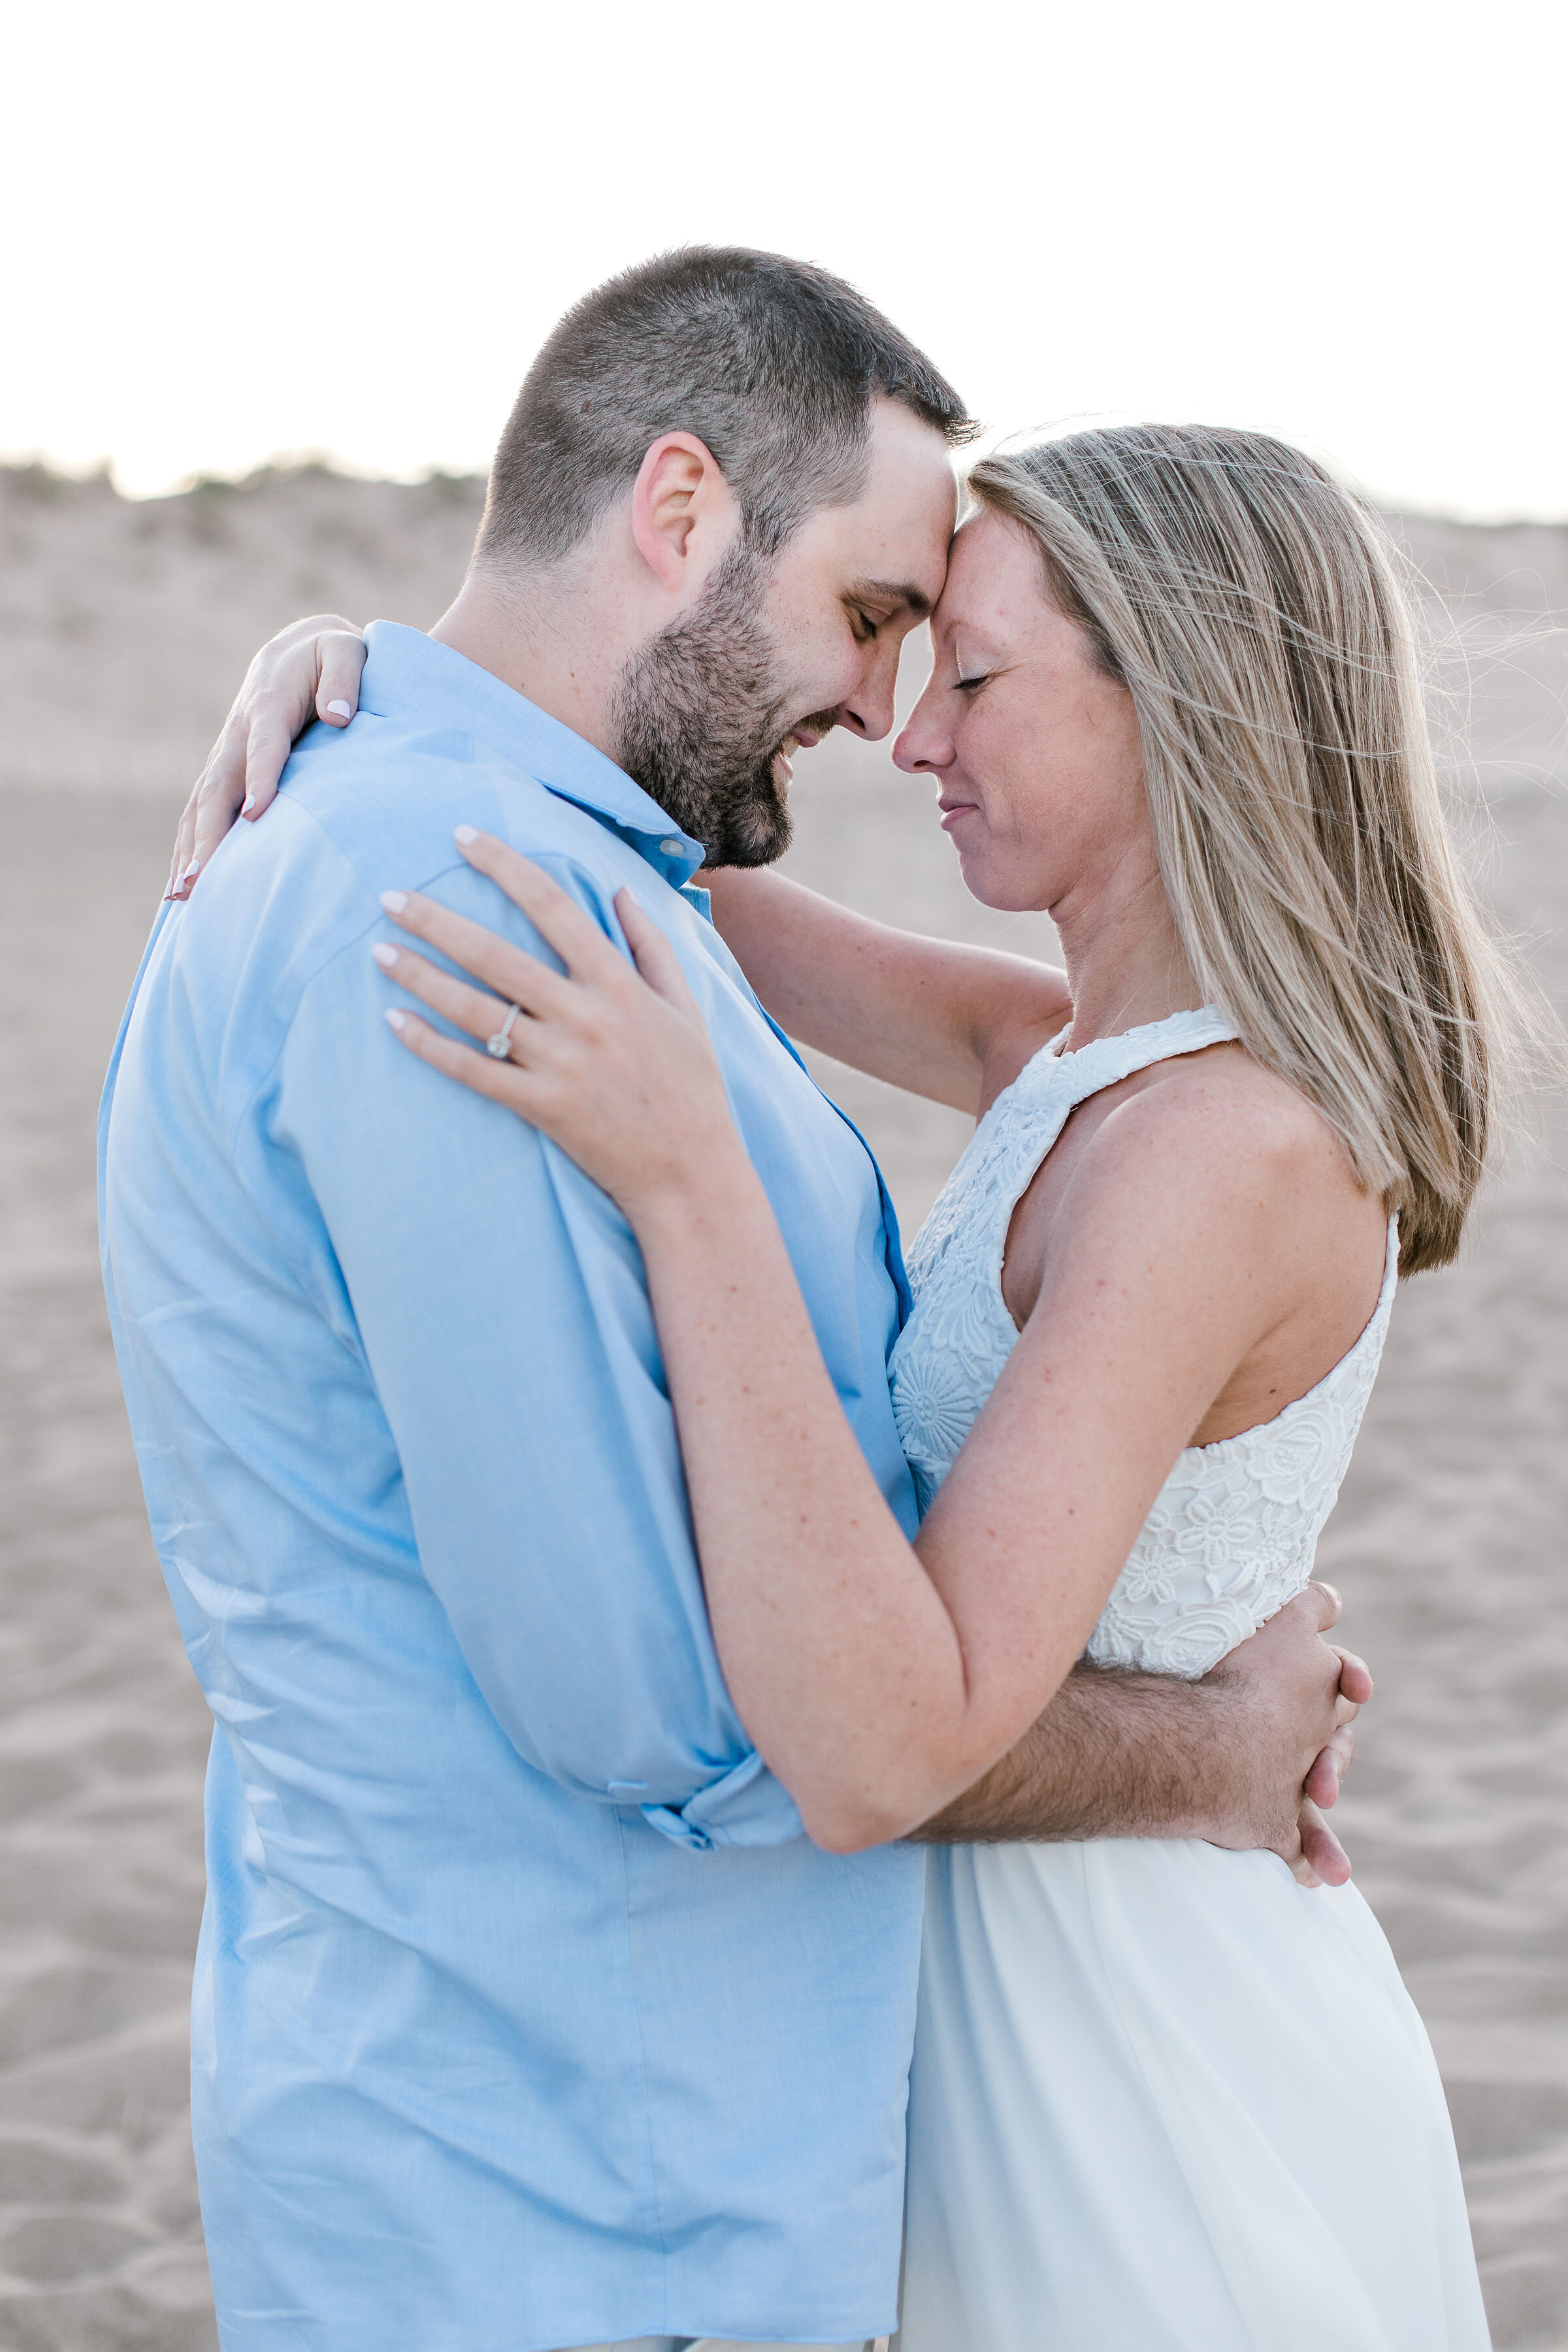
x=993, y=579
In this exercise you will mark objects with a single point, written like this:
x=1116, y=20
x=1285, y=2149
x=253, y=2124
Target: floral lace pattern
x=1234, y=1529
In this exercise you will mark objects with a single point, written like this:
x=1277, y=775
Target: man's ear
x=683, y=511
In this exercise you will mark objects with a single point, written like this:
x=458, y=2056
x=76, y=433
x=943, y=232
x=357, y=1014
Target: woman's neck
x=1125, y=964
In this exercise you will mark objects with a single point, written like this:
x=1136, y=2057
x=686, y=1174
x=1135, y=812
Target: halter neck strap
x=1105, y=1061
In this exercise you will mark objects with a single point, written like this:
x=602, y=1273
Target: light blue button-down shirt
x=524, y=2014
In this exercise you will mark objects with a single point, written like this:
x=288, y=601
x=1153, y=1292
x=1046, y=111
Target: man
x=525, y=2017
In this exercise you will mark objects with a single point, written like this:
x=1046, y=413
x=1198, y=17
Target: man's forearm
x=1114, y=1755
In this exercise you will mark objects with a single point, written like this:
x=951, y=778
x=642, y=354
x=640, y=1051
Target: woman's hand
x=309, y=670
x=613, y=1062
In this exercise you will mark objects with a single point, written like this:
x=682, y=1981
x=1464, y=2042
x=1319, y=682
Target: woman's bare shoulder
x=1219, y=1126
x=1228, y=1163
x=1209, y=1197
x=1231, y=1113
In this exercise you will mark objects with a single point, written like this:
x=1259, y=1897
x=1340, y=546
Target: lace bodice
x=1234, y=1531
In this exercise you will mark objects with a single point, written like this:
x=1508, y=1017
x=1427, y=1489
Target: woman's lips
x=952, y=810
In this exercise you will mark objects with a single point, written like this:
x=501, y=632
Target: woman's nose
x=924, y=747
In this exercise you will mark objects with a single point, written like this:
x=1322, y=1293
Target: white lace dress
x=1163, y=2099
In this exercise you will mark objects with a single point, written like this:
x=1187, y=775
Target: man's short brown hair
x=773, y=363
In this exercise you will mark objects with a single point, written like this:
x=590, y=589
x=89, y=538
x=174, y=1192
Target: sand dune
x=122, y=629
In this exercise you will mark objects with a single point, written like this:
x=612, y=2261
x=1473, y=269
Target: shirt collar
x=408, y=675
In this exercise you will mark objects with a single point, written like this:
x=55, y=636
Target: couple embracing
x=736, y=1768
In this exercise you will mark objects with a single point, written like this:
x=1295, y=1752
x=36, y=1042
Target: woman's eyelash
x=968, y=685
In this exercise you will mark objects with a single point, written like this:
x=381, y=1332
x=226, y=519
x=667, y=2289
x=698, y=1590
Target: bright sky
x=235, y=231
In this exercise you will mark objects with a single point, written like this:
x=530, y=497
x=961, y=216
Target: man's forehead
x=896, y=538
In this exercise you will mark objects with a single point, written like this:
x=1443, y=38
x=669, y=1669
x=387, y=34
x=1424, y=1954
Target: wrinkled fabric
x=524, y=2014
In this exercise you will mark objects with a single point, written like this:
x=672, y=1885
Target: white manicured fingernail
x=386, y=957
x=395, y=901
x=192, y=870
x=395, y=1020
x=248, y=803
x=339, y=710
x=465, y=834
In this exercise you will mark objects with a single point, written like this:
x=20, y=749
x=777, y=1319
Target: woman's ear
x=684, y=514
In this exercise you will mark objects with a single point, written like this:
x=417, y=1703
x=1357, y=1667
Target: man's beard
x=700, y=716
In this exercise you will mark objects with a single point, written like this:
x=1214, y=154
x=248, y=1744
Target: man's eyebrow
x=892, y=591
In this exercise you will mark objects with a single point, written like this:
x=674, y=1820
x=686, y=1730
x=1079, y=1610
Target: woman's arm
x=878, y=1678
x=950, y=1021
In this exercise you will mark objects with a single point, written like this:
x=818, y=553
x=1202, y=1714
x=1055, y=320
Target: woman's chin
x=985, y=879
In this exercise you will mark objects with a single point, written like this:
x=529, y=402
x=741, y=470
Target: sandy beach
x=126, y=628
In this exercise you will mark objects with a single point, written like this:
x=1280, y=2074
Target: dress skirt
x=1166, y=2100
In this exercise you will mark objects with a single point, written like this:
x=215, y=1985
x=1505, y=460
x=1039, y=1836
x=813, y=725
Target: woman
x=1163, y=2097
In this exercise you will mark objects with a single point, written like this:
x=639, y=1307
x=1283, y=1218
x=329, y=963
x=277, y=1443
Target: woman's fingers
x=599, y=1059
x=197, y=838
x=654, y=957
x=558, y=920
x=255, y=747
x=340, y=656
x=515, y=976
x=184, y=840
x=311, y=669
x=500, y=1082
x=474, y=1010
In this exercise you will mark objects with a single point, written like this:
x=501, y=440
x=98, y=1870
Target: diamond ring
x=500, y=1044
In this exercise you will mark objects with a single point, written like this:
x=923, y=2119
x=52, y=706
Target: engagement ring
x=500, y=1044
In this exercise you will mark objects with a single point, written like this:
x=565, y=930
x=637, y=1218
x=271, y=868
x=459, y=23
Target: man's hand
x=1252, y=1755
x=1299, y=1697
x=309, y=670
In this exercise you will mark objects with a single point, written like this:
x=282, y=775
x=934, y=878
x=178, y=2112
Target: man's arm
x=1246, y=1757
x=496, y=1300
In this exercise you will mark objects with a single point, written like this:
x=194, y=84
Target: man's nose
x=868, y=711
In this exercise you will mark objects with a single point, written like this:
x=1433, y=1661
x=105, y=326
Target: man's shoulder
x=384, y=797
x=371, y=808
x=288, y=901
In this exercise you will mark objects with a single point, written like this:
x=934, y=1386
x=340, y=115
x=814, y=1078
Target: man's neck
x=548, y=636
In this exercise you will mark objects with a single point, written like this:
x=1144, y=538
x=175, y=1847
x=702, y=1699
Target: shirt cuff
x=746, y=1806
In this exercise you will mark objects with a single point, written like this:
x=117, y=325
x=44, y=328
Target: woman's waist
x=1171, y=1615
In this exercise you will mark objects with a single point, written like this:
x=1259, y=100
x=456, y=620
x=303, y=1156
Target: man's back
x=524, y=2016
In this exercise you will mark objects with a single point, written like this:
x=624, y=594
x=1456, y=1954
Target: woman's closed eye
x=961, y=684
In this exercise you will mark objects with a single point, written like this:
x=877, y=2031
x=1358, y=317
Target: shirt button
x=672, y=848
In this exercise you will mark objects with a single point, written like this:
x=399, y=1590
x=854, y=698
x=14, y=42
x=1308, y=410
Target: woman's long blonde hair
x=1253, y=611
